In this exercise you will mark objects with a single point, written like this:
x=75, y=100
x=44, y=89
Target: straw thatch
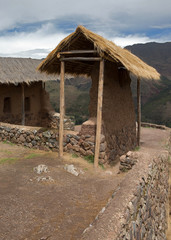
x=19, y=70
x=83, y=39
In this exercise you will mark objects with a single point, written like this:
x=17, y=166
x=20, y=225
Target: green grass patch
x=74, y=155
x=102, y=166
x=9, y=143
x=6, y=151
x=137, y=148
x=32, y=155
x=89, y=158
x=8, y=160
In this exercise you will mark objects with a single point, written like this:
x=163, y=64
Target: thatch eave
x=21, y=70
x=83, y=39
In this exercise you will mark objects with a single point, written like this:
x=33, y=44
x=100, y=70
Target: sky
x=32, y=28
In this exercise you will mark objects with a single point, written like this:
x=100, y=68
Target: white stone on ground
x=71, y=169
x=45, y=179
x=40, y=169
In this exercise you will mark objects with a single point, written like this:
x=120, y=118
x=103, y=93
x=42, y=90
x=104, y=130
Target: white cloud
x=34, y=44
x=125, y=22
x=130, y=40
x=116, y=14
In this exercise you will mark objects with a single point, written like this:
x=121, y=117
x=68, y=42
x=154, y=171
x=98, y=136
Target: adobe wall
x=33, y=91
x=118, y=110
x=137, y=209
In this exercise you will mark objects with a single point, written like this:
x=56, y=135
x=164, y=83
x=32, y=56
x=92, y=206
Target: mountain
x=156, y=97
x=155, y=54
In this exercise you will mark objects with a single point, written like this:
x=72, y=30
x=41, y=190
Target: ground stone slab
x=40, y=169
x=71, y=169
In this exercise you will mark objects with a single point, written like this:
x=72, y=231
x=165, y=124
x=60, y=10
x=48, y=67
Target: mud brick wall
x=137, y=210
x=118, y=113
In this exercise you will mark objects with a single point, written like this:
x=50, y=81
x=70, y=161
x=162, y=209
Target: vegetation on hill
x=76, y=98
x=156, y=95
x=155, y=54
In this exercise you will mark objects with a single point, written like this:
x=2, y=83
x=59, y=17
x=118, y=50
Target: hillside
x=156, y=96
x=155, y=54
x=76, y=97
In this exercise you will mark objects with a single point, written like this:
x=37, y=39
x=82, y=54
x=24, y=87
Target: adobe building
x=111, y=106
x=23, y=99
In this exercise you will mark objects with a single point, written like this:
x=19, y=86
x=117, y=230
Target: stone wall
x=54, y=120
x=137, y=210
x=46, y=139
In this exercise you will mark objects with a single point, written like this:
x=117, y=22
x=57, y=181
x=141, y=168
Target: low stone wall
x=54, y=119
x=152, y=125
x=137, y=209
x=43, y=139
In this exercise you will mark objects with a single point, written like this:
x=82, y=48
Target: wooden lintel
x=76, y=52
x=23, y=105
x=62, y=110
x=138, y=111
x=99, y=113
x=81, y=59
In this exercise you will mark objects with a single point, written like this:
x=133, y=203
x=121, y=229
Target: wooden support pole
x=138, y=111
x=62, y=110
x=22, y=105
x=99, y=113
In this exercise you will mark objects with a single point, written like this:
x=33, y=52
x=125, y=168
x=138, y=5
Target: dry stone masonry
x=43, y=139
x=54, y=118
x=137, y=210
x=128, y=161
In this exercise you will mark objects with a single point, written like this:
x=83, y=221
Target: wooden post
x=99, y=113
x=61, y=126
x=138, y=110
x=23, y=105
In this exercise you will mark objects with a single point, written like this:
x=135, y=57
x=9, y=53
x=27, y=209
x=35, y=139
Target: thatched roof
x=19, y=70
x=83, y=39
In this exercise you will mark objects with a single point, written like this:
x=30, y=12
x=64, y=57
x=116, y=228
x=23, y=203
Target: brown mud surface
x=62, y=209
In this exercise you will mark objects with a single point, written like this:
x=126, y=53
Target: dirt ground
x=58, y=209
x=61, y=209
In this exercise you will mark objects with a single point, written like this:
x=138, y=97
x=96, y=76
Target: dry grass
x=83, y=39
x=18, y=70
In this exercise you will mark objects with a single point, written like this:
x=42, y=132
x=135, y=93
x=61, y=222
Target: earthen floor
x=62, y=209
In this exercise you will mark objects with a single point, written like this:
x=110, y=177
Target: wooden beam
x=76, y=52
x=22, y=105
x=99, y=113
x=138, y=111
x=81, y=59
x=62, y=110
